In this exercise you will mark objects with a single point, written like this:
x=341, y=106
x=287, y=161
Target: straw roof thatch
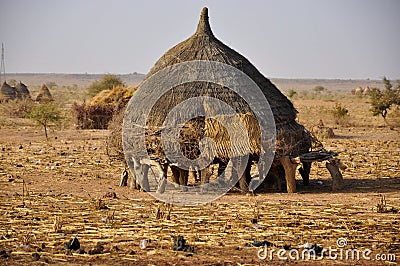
x=22, y=91
x=117, y=96
x=44, y=95
x=7, y=93
x=203, y=45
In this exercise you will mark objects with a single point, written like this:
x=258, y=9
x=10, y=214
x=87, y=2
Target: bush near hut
x=108, y=82
x=101, y=109
x=92, y=116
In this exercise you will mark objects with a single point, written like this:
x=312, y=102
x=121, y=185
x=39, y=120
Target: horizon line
x=137, y=73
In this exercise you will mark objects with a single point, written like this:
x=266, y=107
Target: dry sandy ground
x=64, y=182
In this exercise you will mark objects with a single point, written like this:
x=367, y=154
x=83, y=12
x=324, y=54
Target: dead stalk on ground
x=58, y=223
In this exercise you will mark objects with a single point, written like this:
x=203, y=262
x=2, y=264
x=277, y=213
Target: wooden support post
x=245, y=179
x=337, y=178
x=134, y=184
x=305, y=172
x=278, y=174
x=204, y=179
x=290, y=173
x=244, y=186
x=124, y=178
x=162, y=178
x=145, y=181
x=140, y=177
x=192, y=175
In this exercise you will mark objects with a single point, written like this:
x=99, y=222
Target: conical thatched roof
x=203, y=45
x=44, y=95
x=22, y=91
x=7, y=93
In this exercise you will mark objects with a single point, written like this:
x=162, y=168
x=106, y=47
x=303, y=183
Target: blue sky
x=347, y=39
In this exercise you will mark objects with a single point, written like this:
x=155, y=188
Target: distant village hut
x=22, y=91
x=7, y=93
x=358, y=91
x=44, y=95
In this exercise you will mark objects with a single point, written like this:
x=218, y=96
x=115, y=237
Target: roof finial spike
x=204, y=12
x=203, y=28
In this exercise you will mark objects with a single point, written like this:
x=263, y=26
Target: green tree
x=108, y=82
x=387, y=83
x=291, y=93
x=381, y=101
x=319, y=88
x=46, y=114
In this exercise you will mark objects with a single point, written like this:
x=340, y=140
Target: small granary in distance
x=22, y=91
x=292, y=138
x=44, y=95
x=7, y=93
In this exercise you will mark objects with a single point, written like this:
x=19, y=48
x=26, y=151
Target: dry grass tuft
x=99, y=204
x=110, y=218
x=163, y=211
x=58, y=223
x=381, y=205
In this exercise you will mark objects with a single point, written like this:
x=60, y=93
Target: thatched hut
x=292, y=138
x=358, y=91
x=44, y=95
x=22, y=91
x=7, y=93
x=367, y=90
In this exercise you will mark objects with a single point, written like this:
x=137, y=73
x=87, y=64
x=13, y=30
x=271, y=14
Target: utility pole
x=2, y=67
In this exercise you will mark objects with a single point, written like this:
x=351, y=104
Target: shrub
x=17, y=108
x=319, y=88
x=102, y=107
x=45, y=114
x=92, y=116
x=340, y=114
x=291, y=93
x=108, y=82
